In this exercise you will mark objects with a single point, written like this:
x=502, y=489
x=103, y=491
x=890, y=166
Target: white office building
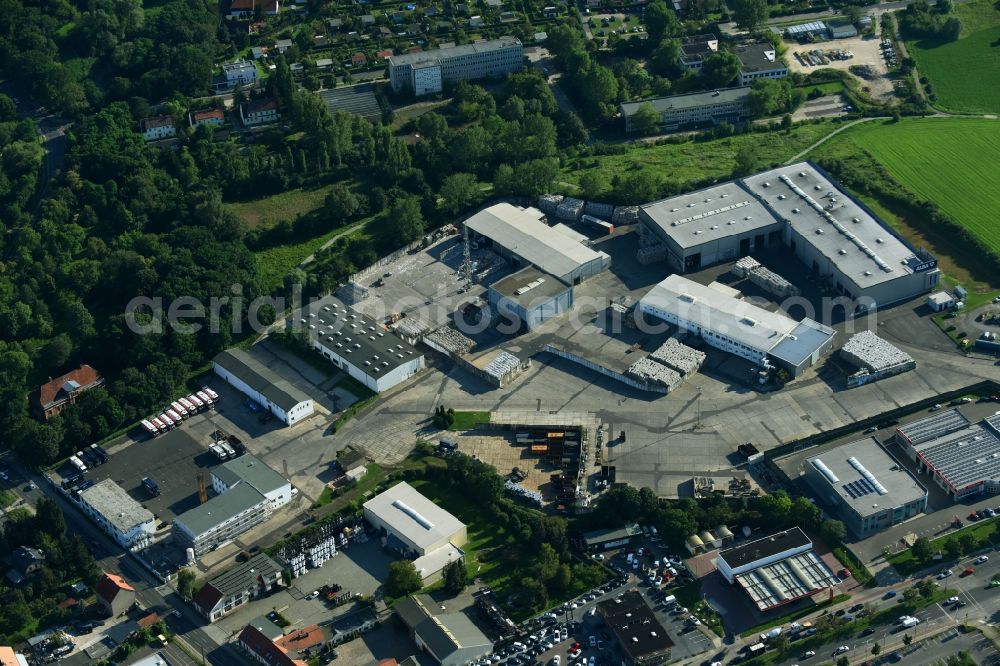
x=240, y=73
x=125, y=520
x=715, y=106
x=736, y=326
x=357, y=344
x=759, y=61
x=427, y=72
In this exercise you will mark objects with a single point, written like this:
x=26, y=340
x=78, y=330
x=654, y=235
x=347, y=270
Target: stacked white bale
x=548, y=203
x=743, y=267
x=651, y=372
x=625, y=215
x=772, y=282
x=867, y=350
x=678, y=357
x=450, y=341
x=503, y=366
x=597, y=209
x=412, y=328
x=570, y=209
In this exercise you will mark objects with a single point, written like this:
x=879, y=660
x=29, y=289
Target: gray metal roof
x=689, y=100
x=359, y=100
x=531, y=239
x=448, y=633
x=784, y=581
x=965, y=457
x=436, y=55
x=855, y=489
x=598, y=537
x=933, y=426
x=858, y=244
x=709, y=215
x=205, y=517
x=117, y=506
x=253, y=471
x=261, y=378
x=413, y=516
x=242, y=576
x=805, y=339
x=364, y=342
x=759, y=549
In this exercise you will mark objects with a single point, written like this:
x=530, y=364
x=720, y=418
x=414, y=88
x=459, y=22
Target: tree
x=342, y=204
x=843, y=661
x=749, y=14
x=661, y=21
x=876, y=648
x=922, y=549
x=968, y=541
x=667, y=58
x=455, y=576
x=593, y=183
x=719, y=69
x=910, y=594
x=185, y=583
x=951, y=30
x=746, y=161
x=780, y=643
x=404, y=221
x=459, y=190
x=8, y=111
x=645, y=120
x=952, y=549
x=403, y=579
x=832, y=531
x=907, y=639
x=927, y=588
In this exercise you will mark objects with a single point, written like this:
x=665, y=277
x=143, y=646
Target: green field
x=695, y=161
x=950, y=161
x=268, y=211
x=964, y=74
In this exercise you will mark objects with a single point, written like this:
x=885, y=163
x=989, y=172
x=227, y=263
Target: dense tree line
x=34, y=605
x=919, y=19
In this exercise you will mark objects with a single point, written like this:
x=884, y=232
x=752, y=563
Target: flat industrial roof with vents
x=529, y=286
x=866, y=477
x=356, y=337
x=763, y=548
x=412, y=516
x=966, y=457
x=835, y=224
x=710, y=214
x=639, y=632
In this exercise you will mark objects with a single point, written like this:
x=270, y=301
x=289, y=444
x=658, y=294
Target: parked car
x=808, y=654
x=968, y=572
x=982, y=558
x=889, y=595
x=944, y=574
x=841, y=650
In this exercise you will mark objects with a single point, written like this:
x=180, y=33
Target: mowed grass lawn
x=964, y=74
x=950, y=161
x=696, y=160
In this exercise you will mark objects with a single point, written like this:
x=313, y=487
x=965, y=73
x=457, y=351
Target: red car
x=574, y=646
x=968, y=572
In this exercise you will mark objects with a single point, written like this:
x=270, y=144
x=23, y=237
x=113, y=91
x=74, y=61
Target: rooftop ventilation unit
x=781, y=197
x=412, y=513
x=687, y=298
x=867, y=476
x=767, y=184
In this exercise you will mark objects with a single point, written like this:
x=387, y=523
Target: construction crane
x=466, y=270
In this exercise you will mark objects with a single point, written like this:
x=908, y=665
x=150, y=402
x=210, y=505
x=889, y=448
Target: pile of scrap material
x=678, y=357
x=651, y=372
x=768, y=280
x=867, y=350
x=570, y=209
x=449, y=341
x=625, y=215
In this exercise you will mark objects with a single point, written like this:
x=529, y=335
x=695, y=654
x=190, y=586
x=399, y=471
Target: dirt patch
x=865, y=51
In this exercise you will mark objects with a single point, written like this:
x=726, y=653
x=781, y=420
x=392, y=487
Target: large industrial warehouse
x=963, y=458
x=802, y=208
x=777, y=569
x=867, y=488
x=417, y=527
x=358, y=344
x=517, y=234
x=737, y=327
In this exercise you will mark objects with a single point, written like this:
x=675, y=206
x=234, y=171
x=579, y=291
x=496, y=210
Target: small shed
x=694, y=544
x=940, y=300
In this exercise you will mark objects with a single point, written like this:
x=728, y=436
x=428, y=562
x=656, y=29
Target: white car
x=952, y=600
x=313, y=594
x=841, y=650
x=981, y=559
x=563, y=634
x=944, y=574
x=809, y=654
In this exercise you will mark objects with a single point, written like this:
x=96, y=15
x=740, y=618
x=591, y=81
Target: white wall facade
x=161, y=132
x=717, y=340
x=300, y=411
x=140, y=536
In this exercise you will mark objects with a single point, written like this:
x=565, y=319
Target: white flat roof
x=413, y=516
x=715, y=311
x=707, y=215
x=117, y=506
x=532, y=240
x=842, y=231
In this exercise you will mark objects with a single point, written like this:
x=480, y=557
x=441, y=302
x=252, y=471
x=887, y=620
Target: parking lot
x=866, y=52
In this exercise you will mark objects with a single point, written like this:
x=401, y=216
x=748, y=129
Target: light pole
x=698, y=406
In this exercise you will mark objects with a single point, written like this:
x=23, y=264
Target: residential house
x=52, y=397
x=114, y=594
x=336, y=23
x=358, y=59
x=241, y=9
x=229, y=591
x=384, y=54
x=10, y=658
x=384, y=32
x=476, y=22
x=451, y=639
x=211, y=117
x=24, y=562
x=759, y=61
x=324, y=63
x=695, y=48
x=260, y=648
x=240, y=73
x=157, y=127
x=367, y=19
x=258, y=52
x=283, y=45
x=259, y=112
x=147, y=621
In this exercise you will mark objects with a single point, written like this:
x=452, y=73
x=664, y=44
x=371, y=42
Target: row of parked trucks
x=226, y=446
x=88, y=458
x=178, y=410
